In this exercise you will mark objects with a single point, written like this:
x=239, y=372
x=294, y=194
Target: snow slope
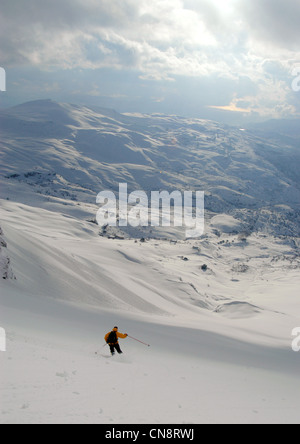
x=218, y=311
x=205, y=364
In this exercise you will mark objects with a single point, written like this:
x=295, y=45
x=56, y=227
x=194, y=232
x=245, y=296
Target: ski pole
x=148, y=345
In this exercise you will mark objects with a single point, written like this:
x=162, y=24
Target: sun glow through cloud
x=198, y=54
x=224, y=6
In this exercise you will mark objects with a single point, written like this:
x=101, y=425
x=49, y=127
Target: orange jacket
x=119, y=335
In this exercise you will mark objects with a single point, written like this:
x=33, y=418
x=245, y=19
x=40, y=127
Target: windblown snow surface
x=218, y=312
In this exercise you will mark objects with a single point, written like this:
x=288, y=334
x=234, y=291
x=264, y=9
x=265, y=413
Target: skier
x=112, y=340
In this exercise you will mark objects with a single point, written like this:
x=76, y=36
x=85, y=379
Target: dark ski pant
x=114, y=347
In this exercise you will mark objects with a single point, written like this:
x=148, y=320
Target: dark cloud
x=56, y=14
x=113, y=32
x=275, y=22
x=29, y=26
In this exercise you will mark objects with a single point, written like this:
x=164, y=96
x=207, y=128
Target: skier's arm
x=106, y=337
x=121, y=336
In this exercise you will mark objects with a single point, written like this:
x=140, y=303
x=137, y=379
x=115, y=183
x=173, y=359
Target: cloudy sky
x=229, y=60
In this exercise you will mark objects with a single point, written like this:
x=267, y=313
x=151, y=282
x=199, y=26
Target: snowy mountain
x=68, y=152
x=218, y=311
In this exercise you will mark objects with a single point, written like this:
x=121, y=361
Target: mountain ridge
x=73, y=152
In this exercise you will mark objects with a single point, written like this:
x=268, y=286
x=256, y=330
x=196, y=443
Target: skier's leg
x=117, y=346
x=112, y=348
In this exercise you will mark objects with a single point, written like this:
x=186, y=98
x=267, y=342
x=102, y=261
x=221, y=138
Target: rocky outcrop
x=5, y=263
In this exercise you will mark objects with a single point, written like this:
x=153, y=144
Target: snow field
x=203, y=366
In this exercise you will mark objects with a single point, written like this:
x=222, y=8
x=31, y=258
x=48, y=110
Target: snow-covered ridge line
x=72, y=153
